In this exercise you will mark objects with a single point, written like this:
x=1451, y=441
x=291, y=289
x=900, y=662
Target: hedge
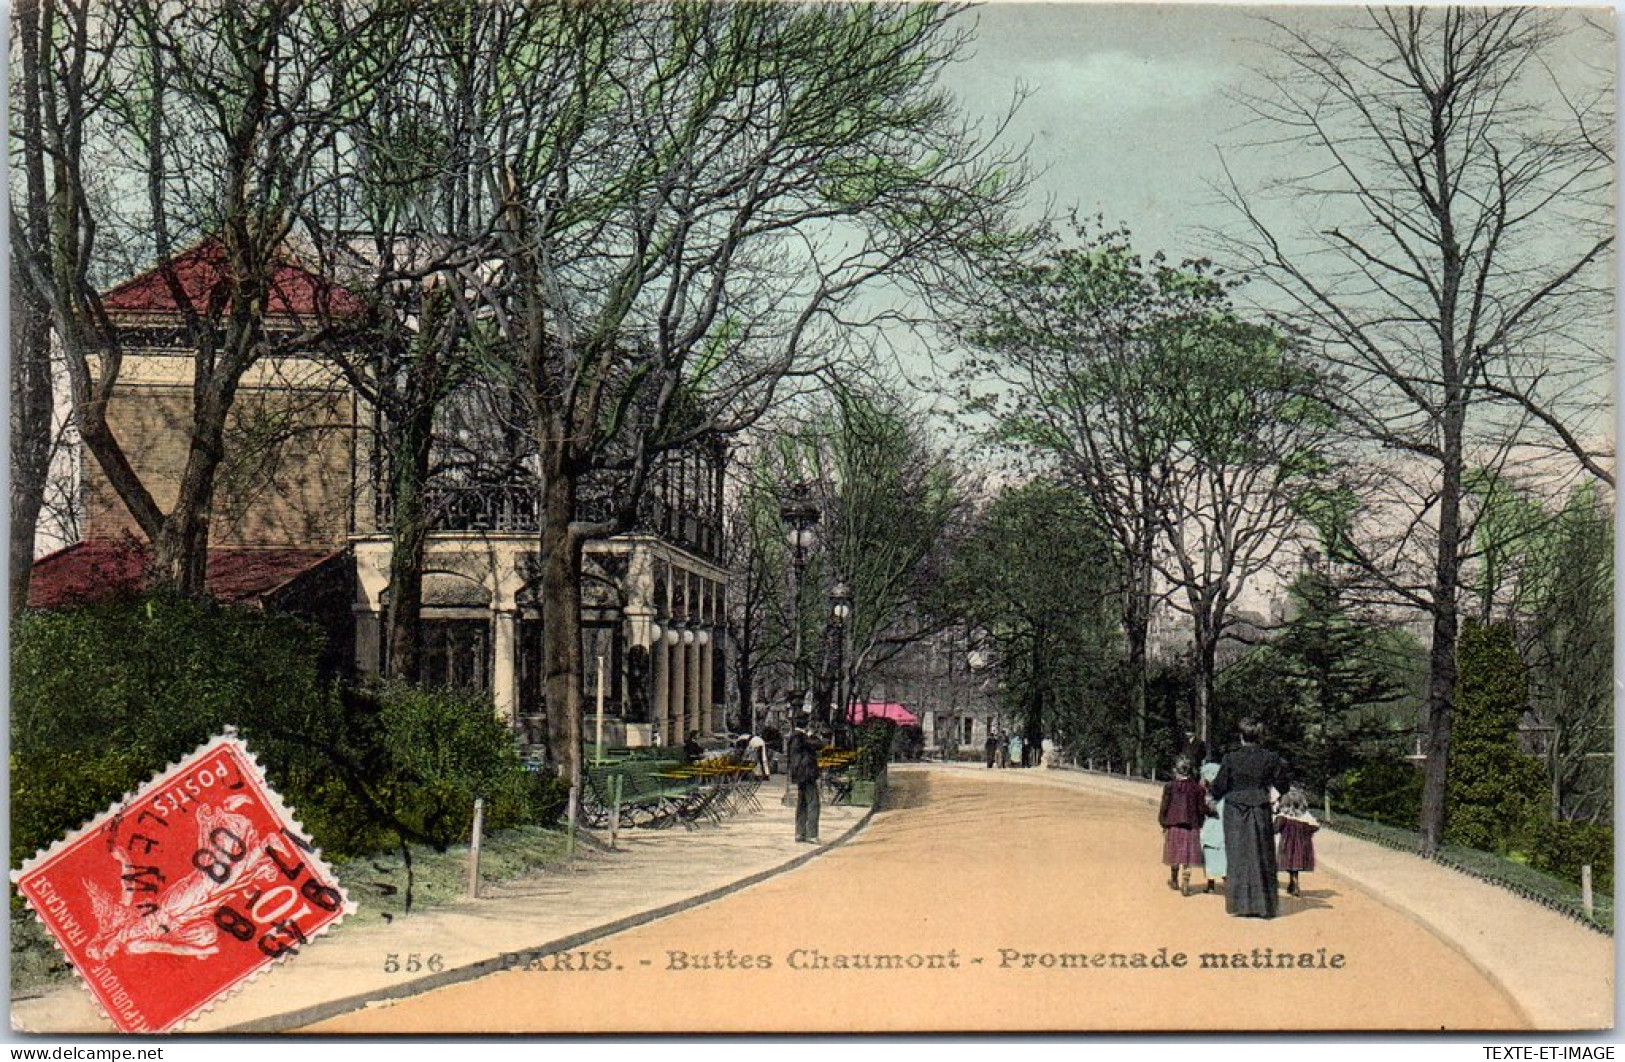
x=104, y=697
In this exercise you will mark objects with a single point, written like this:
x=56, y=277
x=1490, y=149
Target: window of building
x=969, y=726
x=457, y=653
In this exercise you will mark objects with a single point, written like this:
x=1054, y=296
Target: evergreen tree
x=1495, y=791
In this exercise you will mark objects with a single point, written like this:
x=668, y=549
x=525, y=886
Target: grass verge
x=376, y=883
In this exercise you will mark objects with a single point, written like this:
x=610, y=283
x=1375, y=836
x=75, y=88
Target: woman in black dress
x=1246, y=776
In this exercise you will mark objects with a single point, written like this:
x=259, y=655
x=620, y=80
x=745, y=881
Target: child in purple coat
x=1183, y=809
x=1295, y=826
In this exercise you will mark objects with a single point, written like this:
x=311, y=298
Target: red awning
x=97, y=569
x=882, y=710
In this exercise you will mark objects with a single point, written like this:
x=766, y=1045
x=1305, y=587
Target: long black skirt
x=1249, y=840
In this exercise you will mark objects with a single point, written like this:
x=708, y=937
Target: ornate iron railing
x=515, y=508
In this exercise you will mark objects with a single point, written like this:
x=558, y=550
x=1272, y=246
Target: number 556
x=415, y=963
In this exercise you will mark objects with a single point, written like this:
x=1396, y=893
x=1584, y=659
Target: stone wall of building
x=287, y=476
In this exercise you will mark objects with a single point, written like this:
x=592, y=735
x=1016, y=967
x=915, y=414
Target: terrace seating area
x=642, y=788
x=632, y=788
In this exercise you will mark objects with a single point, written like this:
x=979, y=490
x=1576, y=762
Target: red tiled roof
x=295, y=292
x=857, y=713
x=97, y=569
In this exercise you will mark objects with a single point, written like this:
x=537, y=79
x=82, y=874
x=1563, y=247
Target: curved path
x=987, y=899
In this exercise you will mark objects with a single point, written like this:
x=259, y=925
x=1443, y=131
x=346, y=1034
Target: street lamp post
x=799, y=516
x=840, y=609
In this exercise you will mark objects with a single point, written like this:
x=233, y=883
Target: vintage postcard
x=811, y=518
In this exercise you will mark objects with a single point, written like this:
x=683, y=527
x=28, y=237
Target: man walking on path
x=804, y=773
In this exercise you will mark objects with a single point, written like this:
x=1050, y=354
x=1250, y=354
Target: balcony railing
x=515, y=508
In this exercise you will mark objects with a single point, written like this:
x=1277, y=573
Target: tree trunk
x=1441, y=694
x=1207, y=655
x=31, y=397
x=180, y=550
x=409, y=533
x=1136, y=635
x=745, y=676
x=31, y=410
x=561, y=620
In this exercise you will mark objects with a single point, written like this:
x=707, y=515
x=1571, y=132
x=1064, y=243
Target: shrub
x=1495, y=793
x=444, y=748
x=874, y=748
x=1562, y=848
x=104, y=697
x=1386, y=792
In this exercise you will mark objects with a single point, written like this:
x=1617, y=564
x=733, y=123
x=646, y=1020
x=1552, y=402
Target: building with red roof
x=302, y=514
x=288, y=478
x=199, y=279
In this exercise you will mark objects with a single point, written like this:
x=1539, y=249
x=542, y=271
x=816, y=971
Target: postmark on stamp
x=187, y=889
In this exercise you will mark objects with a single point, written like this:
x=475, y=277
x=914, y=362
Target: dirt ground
x=986, y=906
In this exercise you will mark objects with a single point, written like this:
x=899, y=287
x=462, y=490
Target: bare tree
x=1246, y=432
x=215, y=114
x=683, y=203
x=1453, y=271
x=1065, y=366
x=894, y=499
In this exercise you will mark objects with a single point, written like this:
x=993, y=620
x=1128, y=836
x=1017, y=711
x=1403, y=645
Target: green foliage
x=1334, y=688
x=1526, y=881
x=1567, y=593
x=106, y=696
x=1562, y=848
x=443, y=749
x=874, y=748
x=1388, y=791
x=1036, y=574
x=1494, y=792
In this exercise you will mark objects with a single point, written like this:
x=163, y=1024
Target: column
x=679, y=689
x=505, y=663
x=708, y=723
x=661, y=683
x=369, y=650
x=691, y=689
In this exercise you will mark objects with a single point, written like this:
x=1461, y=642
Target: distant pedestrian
x=1183, y=809
x=693, y=751
x=1295, y=825
x=803, y=767
x=1001, y=749
x=1212, y=830
x=1246, y=776
x=992, y=747
x=1015, y=751
x=756, y=754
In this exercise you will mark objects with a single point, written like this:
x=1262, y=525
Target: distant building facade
x=943, y=680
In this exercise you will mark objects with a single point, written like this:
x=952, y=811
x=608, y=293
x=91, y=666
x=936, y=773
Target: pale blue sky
x=1129, y=108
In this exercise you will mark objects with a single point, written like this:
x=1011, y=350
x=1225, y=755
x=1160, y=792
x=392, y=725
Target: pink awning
x=882, y=710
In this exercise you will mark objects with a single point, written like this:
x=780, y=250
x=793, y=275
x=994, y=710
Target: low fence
x=1537, y=886
x=1534, y=885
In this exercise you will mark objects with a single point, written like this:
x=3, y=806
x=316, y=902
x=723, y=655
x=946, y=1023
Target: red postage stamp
x=170, y=900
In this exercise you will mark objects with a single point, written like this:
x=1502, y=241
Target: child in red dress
x=1181, y=815
x=1295, y=827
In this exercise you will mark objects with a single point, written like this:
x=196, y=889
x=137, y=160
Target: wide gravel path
x=988, y=903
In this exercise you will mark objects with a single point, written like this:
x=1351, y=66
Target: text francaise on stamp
x=185, y=890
